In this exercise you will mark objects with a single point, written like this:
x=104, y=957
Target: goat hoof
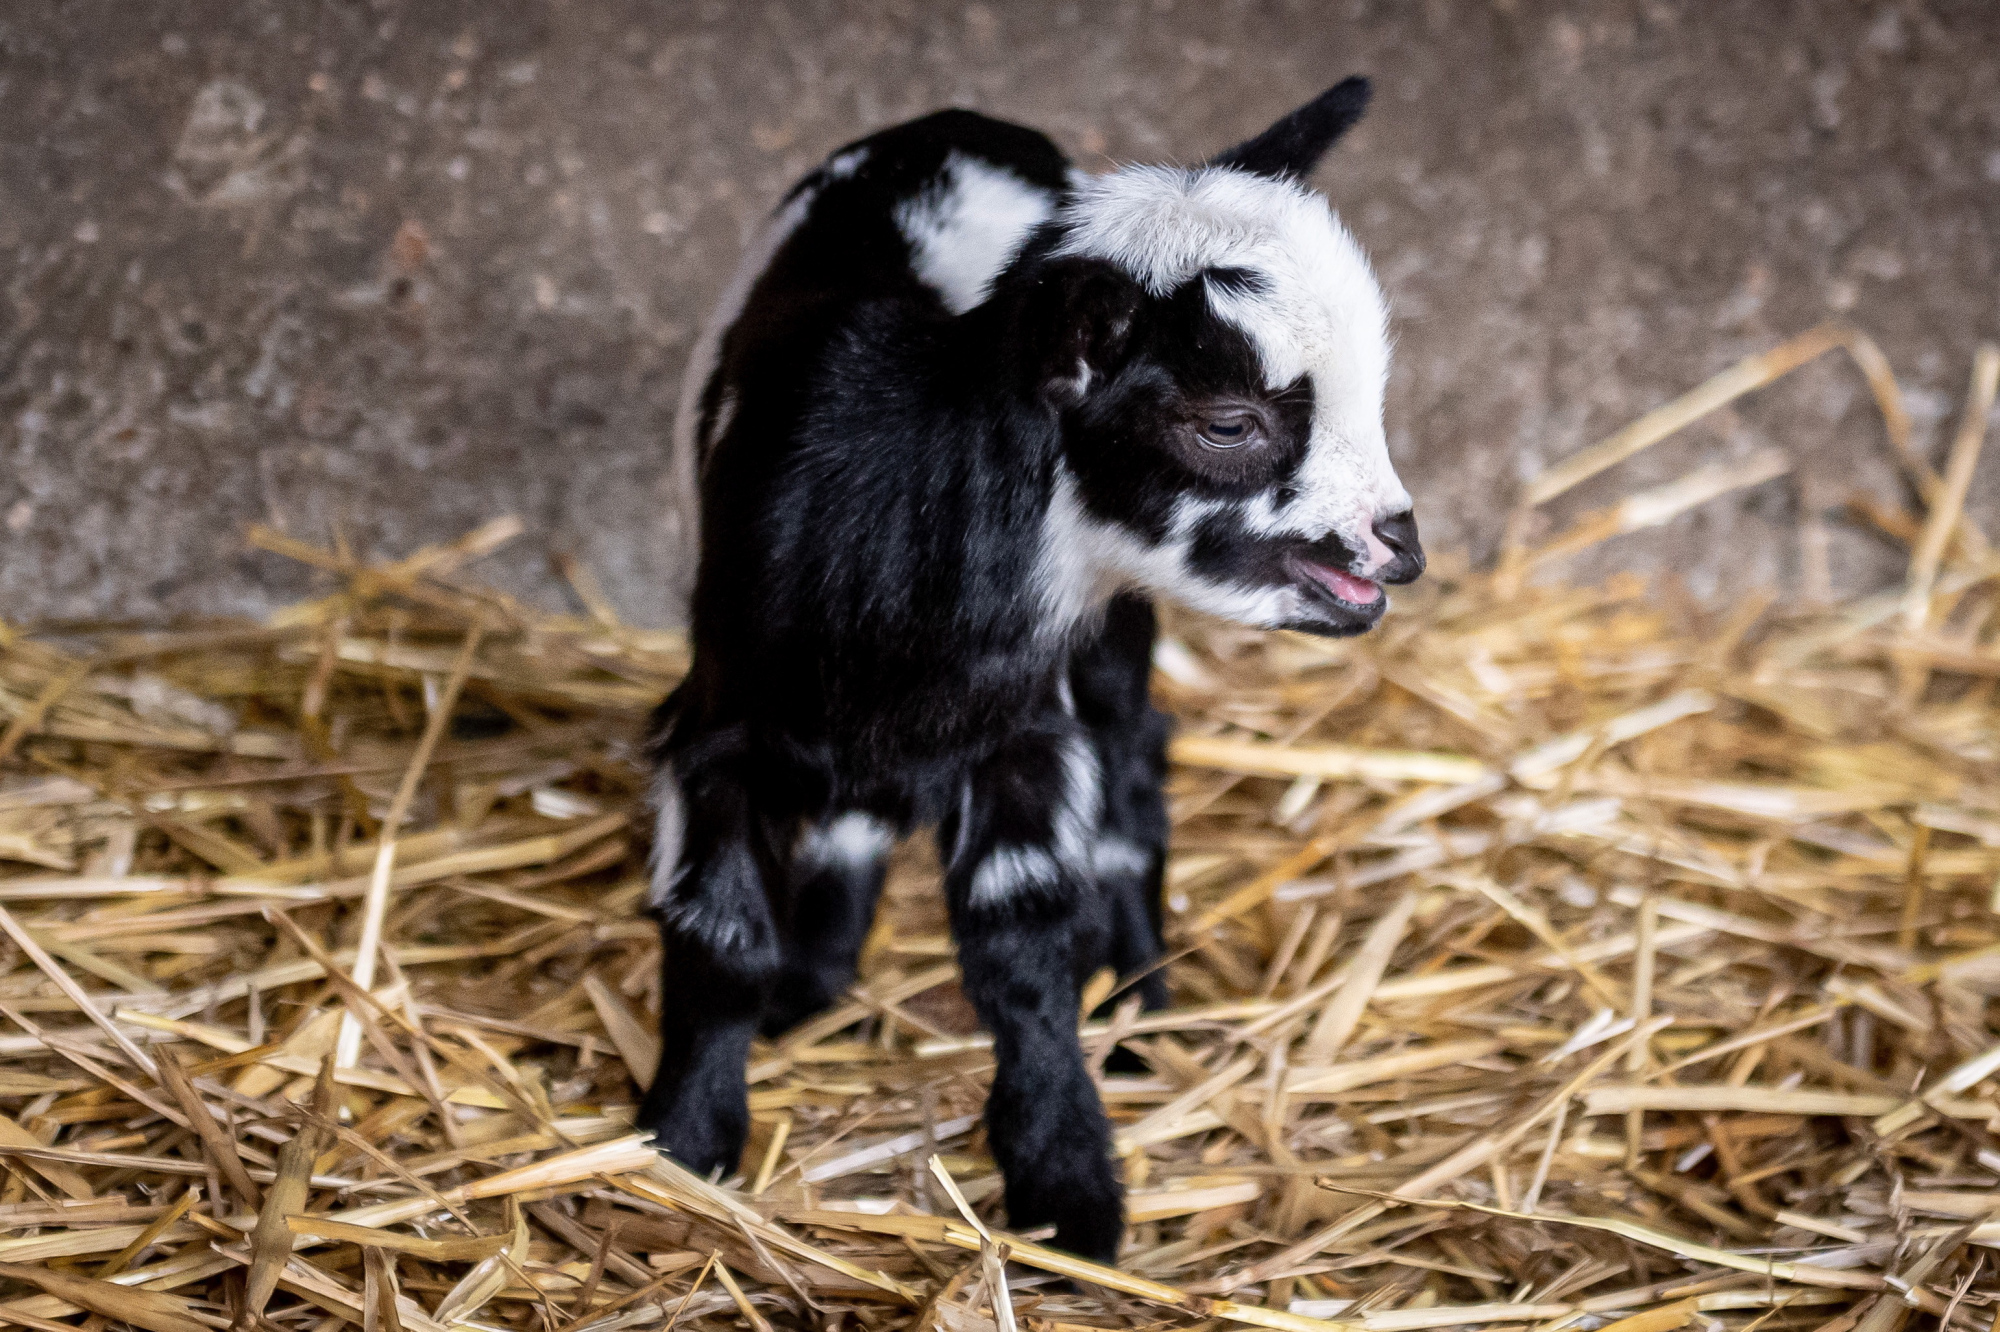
x=697, y=1158
x=789, y=1005
x=700, y=1144
x=1094, y=1237
x=1089, y=1219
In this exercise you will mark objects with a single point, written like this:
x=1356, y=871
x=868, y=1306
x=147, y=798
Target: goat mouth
x=1350, y=592
x=1351, y=601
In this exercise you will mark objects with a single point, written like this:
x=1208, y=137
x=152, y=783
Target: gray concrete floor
x=389, y=269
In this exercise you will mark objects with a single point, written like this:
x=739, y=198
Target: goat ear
x=1087, y=312
x=1292, y=147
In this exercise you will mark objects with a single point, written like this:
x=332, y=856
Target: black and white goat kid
x=963, y=411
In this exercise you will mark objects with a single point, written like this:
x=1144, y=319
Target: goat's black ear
x=1292, y=147
x=1083, y=313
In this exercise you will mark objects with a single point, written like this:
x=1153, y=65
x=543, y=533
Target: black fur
x=869, y=639
x=1294, y=145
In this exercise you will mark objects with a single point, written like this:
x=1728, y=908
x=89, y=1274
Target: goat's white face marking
x=1313, y=312
x=968, y=226
x=1084, y=559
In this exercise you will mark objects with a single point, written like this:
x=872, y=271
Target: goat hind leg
x=719, y=951
x=835, y=878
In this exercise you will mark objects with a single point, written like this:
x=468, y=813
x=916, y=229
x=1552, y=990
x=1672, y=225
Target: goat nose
x=1399, y=533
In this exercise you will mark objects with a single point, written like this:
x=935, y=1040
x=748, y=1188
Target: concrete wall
x=389, y=269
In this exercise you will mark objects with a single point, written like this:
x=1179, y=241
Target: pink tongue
x=1345, y=585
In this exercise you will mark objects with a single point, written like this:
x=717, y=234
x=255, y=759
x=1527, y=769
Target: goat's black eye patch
x=1190, y=413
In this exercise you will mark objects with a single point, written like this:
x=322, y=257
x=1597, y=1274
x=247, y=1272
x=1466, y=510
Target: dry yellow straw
x=1431, y=1013
x=375, y=907
x=1747, y=375
x=1950, y=501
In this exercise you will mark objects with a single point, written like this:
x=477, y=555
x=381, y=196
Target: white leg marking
x=1082, y=804
x=669, y=835
x=712, y=918
x=1112, y=854
x=712, y=923
x=851, y=841
x=1010, y=869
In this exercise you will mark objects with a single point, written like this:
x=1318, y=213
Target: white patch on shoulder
x=850, y=841
x=669, y=835
x=968, y=225
x=1317, y=312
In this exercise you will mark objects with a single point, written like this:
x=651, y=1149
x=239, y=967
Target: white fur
x=967, y=227
x=1112, y=854
x=1083, y=560
x=702, y=912
x=842, y=166
x=718, y=924
x=725, y=412
x=1321, y=315
x=851, y=841
x=723, y=928
x=669, y=833
x=1009, y=870
x=1082, y=805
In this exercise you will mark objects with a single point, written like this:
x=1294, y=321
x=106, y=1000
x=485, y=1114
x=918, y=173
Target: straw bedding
x=1555, y=957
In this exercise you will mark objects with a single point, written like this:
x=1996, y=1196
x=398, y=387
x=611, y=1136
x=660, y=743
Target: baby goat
x=961, y=413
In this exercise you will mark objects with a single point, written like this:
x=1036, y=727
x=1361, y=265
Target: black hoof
x=788, y=1010
x=703, y=1144
x=1094, y=1236
x=1089, y=1217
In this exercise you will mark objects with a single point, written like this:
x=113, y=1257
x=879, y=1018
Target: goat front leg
x=1110, y=678
x=1129, y=854
x=719, y=954
x=1017, y=883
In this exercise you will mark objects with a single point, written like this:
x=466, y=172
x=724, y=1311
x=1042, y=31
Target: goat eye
x=1230, y=432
